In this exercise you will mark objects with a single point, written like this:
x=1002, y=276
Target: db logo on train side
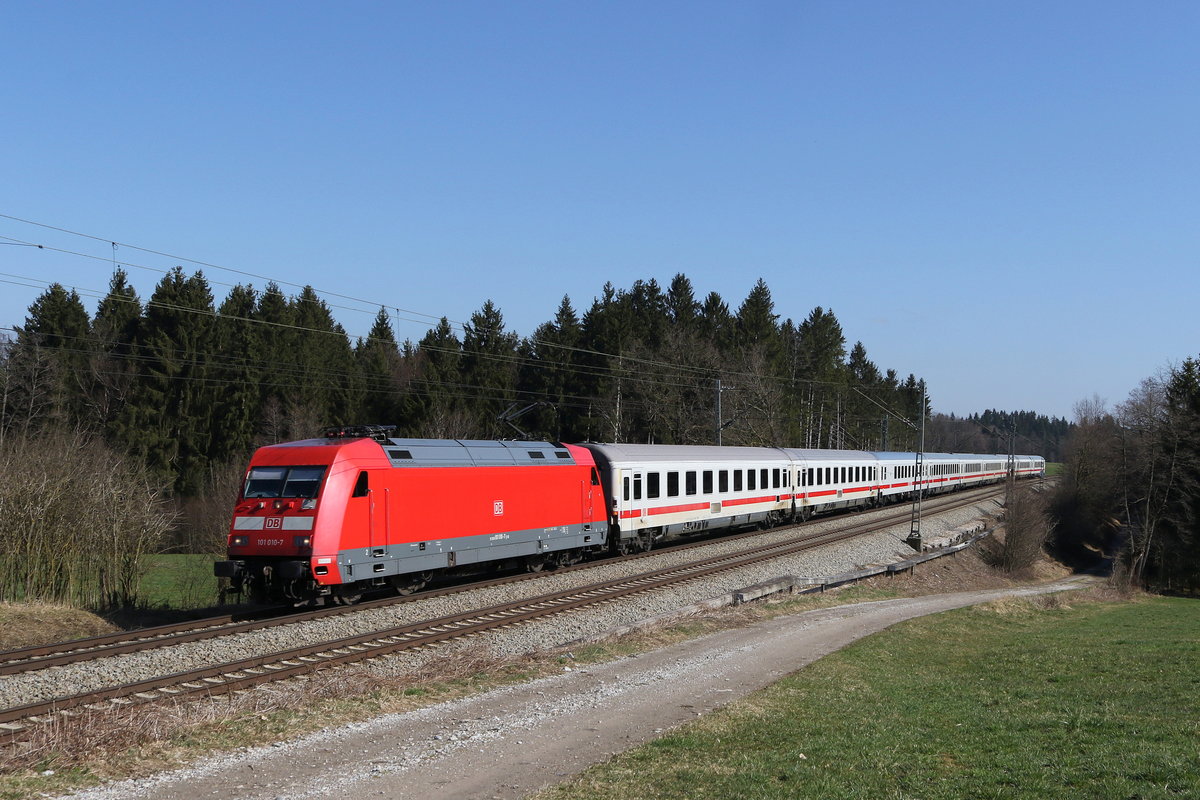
x=273, y=522
x=498, y=508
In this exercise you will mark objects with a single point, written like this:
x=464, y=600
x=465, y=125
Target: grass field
x=1009, y=700
x=179, y=581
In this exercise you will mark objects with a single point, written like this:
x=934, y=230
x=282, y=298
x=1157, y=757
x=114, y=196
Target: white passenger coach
x=664, y=491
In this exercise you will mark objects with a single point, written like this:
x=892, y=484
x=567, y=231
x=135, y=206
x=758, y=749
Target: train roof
x=450, y=452
x=811, y=455
x=474, y=453
x=646, y=453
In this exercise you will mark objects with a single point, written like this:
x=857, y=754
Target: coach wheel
x=804, y=513
x=624, y=547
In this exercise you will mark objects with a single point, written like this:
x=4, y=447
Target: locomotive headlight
x=301, y=541
x=239, y=541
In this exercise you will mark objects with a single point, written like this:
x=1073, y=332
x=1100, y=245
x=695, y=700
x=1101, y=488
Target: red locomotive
x=356, y=510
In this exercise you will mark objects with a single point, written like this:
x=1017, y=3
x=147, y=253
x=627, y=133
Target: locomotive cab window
x=283, y=482
x=361, y=486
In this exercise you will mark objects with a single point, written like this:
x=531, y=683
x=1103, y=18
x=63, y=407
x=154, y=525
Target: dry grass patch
x=28, y=624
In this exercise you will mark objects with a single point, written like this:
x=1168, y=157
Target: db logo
x=274, y=522
x=498, y=508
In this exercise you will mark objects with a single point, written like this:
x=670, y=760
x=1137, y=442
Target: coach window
x=652, y=485
x=625, y=489
x=672, y=484
x=775, y=477
x=361, y=486
x=723, y=481
x=737, y=480
x=764, y=478
x=689, y=481
x=751, y=479
x=708, y=481
x=637, y=487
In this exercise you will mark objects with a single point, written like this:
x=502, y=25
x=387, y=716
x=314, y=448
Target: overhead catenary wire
x=705, y=371
x=373, y=305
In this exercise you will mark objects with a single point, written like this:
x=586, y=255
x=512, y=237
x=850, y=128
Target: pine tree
x=237, y=373
x=547, y=376
x=165, y=422
x=114, y=354
x=50, y=360
x=325, y=384
x=433, y=407
x=489, y=367
x=378, y=360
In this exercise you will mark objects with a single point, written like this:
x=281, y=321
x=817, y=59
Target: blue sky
x=1000, y=197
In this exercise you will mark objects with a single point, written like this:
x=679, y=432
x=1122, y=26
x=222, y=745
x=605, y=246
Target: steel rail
x=234, y=676
x=14, y=662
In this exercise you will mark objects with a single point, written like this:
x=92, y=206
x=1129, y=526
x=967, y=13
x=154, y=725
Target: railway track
x=247, y=673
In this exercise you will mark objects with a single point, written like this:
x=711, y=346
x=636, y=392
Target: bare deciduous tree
x=76, y=521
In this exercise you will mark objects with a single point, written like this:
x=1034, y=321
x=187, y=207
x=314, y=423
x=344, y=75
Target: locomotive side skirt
x=399, y=559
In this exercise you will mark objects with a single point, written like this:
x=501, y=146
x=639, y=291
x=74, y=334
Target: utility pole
x=1011, y=481
x=914, y=530
x=719, y=425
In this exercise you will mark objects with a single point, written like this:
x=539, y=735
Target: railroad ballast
x=359, y=510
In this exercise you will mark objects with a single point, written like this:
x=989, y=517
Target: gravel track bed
x=877, y=548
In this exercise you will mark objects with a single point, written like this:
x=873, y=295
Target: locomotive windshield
x=283, y=482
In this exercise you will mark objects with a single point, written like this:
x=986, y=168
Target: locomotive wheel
x=407, y=584
x=537, y=563
x=347, y=594
x=567, y=558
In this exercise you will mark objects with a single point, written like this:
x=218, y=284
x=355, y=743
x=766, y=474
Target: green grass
x=1054, y=469
x=1098, y=701
x=179, y=581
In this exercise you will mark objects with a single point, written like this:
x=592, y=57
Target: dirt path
x=514, y=741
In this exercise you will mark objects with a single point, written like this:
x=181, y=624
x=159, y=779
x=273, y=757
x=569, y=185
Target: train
x=359, y=510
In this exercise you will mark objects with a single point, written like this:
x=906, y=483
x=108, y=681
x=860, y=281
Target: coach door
x=632, y=502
